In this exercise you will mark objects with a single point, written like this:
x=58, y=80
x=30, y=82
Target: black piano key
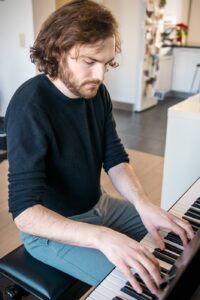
x=193, y=223
x=173, y=248
x=163, y=270
x=174, y=238
x=194, y=229
x=167, y=253
x=145, y=291
x=192, y=215
x=194, y=210
x=117, y=298
x=196, y=213
x=139, y=279
x=197, y=201
x=129, y=291
x=172, y=234
x=163, y=257
x=196, y=205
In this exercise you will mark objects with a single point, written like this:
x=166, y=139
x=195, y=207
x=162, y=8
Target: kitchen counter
x=181, y=46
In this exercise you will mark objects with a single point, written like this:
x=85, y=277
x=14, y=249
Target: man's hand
x=126, y=253
x=155, y=218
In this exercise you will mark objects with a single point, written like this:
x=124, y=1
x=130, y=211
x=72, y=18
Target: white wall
x=123, y=82
x=15, y=20
x=179, y=9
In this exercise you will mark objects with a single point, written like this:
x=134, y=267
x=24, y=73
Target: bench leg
x=15, y=292
x=1, y=295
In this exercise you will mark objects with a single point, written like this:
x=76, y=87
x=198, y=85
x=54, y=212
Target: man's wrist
x=139, y=198
x=101, y=232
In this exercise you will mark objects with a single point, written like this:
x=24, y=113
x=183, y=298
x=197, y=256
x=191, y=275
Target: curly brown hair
x=78, y=22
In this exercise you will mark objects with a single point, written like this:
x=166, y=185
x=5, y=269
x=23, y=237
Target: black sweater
x=57, y=146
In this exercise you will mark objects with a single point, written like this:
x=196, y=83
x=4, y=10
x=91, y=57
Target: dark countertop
x=182, y=46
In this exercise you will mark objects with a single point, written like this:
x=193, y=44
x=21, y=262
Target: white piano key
x=118, y=272
x=115, y=291
x=101, y=294
x=116, y=282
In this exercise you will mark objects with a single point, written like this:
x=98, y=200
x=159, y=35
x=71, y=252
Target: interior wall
x=179, y=9
x=60, y=3
x=123, y=83
x=16, y=31
x=41, y=10
x=194, y=23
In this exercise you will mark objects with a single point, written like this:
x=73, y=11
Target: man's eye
x=89, y=62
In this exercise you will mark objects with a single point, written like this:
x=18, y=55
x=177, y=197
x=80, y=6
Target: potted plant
x=181, y=33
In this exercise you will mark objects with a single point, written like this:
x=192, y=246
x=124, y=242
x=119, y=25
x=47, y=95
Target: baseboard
x=122, y=105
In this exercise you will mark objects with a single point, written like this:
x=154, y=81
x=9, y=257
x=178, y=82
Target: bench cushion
x=34, y=276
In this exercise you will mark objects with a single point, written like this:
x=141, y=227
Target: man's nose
x=99, y=72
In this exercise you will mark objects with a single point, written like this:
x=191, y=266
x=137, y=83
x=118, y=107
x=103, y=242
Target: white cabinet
x=185, y=61
x=165, y=74
x=182, y=158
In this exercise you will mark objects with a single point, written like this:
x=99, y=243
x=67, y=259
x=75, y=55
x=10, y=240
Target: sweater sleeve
x=114, y=152
x=27, y=147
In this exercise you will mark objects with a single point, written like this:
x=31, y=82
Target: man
x=60, y=132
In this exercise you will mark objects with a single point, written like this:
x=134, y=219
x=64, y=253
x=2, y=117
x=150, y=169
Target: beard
x=85, y=89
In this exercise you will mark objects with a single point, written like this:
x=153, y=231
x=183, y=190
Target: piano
x=178, y=264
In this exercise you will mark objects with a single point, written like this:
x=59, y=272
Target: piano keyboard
x=115, y=285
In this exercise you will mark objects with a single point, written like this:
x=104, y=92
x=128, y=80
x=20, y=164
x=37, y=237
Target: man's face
x=82, y=74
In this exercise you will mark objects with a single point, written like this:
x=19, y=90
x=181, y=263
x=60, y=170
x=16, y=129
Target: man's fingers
x=146, y=277
x=150, y=267
x=181, y=228
x=153, y=266
x=157, y=238
x=131, y=278
x=147, y=267
x=185, y=225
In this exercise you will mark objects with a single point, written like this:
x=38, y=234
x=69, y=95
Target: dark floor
x=146, y=131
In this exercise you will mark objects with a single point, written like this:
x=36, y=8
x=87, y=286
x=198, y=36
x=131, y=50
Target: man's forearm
x=126, y=182
x=40, y=221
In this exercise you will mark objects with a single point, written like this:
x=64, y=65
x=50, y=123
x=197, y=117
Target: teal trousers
x=87, y=264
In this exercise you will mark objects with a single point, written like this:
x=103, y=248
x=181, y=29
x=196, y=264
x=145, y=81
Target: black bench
x=30, y=276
